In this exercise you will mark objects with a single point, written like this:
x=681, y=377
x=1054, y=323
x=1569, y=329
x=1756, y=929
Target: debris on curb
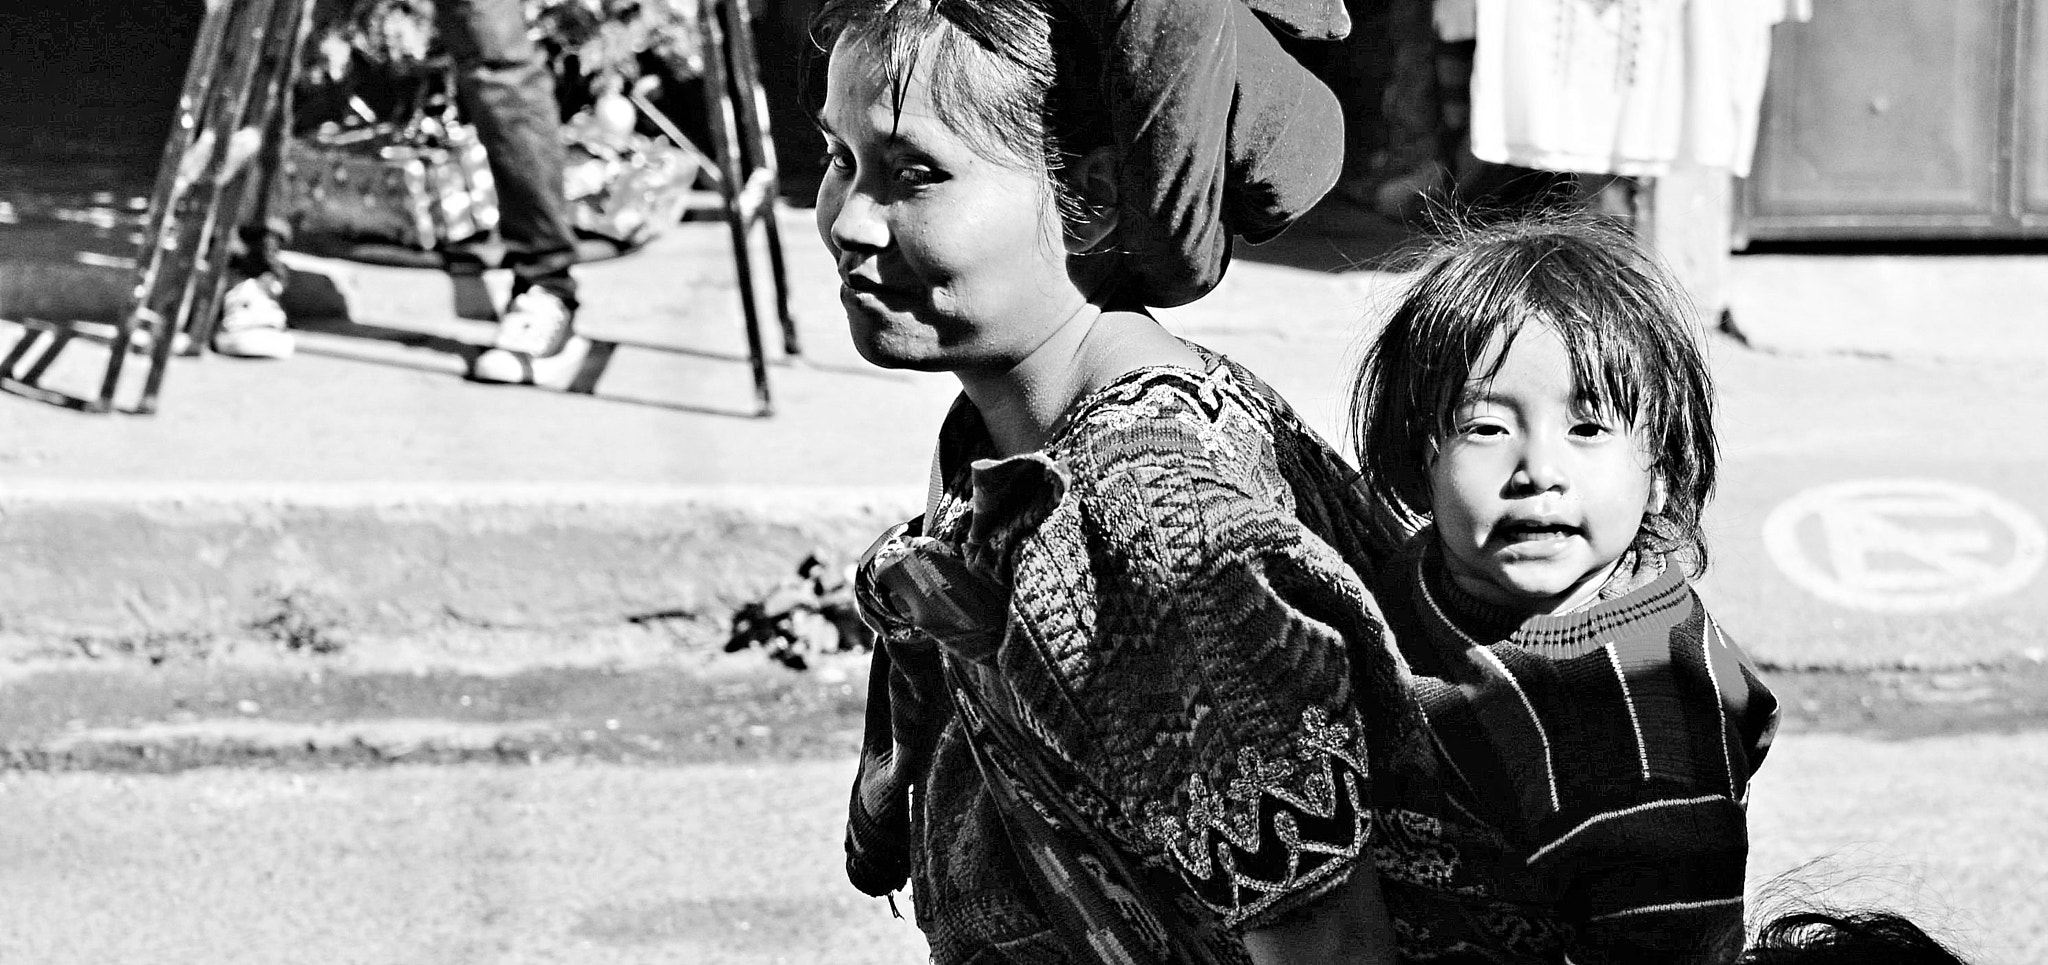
x=810, y=614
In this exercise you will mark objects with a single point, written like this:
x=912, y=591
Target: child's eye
x=919, y=175
x=836, y=158
x=1483, y=430
x=1592, y=430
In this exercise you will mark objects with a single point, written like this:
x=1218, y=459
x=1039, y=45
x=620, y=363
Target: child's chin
x=1538, y=588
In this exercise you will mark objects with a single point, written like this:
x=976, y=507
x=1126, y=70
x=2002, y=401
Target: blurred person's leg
x=1454, y=96
x=506, y=87
x=1355, y=68
x=1413, y=167
x=252, y=320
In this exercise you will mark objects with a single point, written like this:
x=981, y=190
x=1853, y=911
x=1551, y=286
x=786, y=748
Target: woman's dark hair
x=1624, y=322
x=1018, y=80
x=1845, y=938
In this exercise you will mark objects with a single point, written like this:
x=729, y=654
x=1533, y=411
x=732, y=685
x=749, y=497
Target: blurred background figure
x=505, y=86
x=1423, y=51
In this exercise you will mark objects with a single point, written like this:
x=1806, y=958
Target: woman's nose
x=854, y=222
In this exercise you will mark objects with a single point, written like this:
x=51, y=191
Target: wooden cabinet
x=1904, y=119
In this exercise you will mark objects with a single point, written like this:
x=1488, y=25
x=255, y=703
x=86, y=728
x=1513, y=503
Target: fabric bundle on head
x=1221, y=131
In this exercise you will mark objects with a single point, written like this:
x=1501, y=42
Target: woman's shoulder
x=1214, y=451
x=1166, y=451
x=1143, y=394
x=1221, y=414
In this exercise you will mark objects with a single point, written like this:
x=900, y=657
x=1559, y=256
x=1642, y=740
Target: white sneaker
x=252, y=323
x=537, y=343
x=141, y=341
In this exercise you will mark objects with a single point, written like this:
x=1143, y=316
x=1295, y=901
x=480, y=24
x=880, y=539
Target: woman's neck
x=1022, y=406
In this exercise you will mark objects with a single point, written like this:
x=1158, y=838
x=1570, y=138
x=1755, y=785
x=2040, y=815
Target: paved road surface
x=727, y=864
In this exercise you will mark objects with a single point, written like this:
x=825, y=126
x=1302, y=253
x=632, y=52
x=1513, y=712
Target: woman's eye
x=836, y=159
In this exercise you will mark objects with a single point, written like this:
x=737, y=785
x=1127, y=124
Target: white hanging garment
x=1621, y=86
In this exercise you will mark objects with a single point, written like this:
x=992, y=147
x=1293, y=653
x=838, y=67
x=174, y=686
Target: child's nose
x=1540, y=469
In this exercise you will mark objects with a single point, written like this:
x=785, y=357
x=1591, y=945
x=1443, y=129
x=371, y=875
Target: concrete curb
x=689, y=704
x=306, y=712
x=175, y=747
x=126, y=560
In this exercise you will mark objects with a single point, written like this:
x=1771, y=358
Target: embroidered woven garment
x=1167, y=689
x=1587, y=799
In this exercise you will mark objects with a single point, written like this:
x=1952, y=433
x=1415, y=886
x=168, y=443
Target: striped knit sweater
x=1586, y=799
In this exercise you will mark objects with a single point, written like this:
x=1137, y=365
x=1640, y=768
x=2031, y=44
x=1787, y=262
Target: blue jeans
x=506, y=88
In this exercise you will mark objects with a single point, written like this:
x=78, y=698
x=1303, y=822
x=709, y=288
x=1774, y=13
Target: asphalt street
x=737, y=864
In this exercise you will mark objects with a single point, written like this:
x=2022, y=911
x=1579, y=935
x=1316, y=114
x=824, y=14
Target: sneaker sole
x=256, y=345
x=505, y=367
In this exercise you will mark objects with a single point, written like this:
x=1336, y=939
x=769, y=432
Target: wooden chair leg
x=181, y=252
x=233, y=107
x=28, y=339
x=192, y=137
x=758, y=139
x=780, y=273
x=244, y=175
x=27, y=383
x=117, y=356
x=733, y=186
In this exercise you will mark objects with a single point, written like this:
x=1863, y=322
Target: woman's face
x=948, y=261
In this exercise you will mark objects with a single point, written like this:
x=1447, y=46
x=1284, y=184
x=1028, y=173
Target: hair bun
x=1222, y=132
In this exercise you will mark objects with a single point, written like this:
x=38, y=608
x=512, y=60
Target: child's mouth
x=1529, y=531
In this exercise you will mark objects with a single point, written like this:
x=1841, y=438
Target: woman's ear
x=1094, y=178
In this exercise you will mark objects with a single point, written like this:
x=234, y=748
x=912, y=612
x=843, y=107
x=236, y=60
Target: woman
x=1127, y=664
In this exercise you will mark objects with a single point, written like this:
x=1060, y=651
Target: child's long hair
x=1623, y=320
x=1846, y=938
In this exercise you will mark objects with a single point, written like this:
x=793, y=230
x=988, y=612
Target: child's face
x=1534, y=495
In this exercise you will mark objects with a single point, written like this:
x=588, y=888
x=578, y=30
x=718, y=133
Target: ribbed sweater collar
x=1640, y=582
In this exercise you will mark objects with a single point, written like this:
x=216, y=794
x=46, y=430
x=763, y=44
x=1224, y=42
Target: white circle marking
x=1904, y=545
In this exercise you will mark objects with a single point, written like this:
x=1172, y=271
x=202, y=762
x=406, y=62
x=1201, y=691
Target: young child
x=1538, y=415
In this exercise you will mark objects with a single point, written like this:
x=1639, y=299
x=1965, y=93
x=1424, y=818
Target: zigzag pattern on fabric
x=1325, y=780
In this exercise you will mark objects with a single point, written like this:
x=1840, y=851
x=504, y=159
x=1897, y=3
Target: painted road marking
x=1904, y=545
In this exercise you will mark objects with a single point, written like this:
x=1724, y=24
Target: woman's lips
x=868, y=286
x=875, y=294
